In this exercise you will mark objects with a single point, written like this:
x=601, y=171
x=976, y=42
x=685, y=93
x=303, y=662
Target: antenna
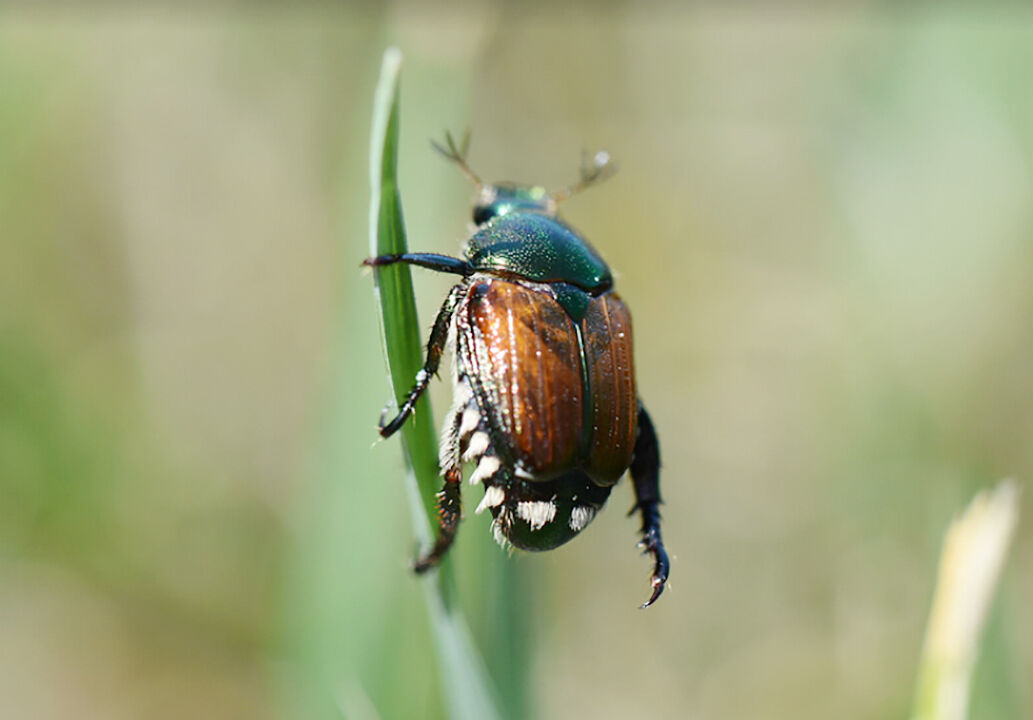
x=457, y=154
x=594, y=170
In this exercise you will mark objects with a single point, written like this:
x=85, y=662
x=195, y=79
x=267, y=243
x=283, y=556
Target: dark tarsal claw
x=383, y=426
x=658, y=588
x=422, y=564
x=661, y=565
x=430, y=559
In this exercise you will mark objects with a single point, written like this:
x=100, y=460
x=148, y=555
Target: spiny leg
x=450, y=505
x=431, y=261
x=450, y=510
x=435, y=347
x=645, y=475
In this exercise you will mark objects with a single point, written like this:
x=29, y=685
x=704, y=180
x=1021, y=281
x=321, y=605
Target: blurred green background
x=823, y=224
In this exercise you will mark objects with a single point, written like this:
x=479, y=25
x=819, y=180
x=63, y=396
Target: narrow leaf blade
x=464, y=677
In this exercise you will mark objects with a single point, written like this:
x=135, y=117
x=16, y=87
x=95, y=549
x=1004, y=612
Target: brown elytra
x=524, y=355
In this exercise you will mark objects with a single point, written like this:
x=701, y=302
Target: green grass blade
x=973, y=556
x=401, y=328
x=465, y=682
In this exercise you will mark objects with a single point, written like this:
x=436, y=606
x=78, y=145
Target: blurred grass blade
x=973, y=554
x=465, y=682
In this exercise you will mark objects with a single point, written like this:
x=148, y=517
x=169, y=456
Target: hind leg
x=645, y=475
x=450, y=510
x=450, y=506
x=465, y=439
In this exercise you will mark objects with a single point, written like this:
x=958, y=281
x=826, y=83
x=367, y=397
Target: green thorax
x=538, y=247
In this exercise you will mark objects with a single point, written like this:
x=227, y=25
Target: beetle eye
x=482, y=214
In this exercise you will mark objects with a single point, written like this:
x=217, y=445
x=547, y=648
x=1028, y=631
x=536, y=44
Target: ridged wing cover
x=606, y=329
x=520, y=349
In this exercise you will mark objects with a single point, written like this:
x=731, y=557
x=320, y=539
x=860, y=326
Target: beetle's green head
x=497, y=200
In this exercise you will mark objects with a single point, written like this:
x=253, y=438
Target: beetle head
x=496, y=200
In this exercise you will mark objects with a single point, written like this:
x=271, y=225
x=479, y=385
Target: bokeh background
x=823, y=223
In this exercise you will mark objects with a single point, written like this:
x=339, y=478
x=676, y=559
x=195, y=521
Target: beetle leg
x=449, y=513
x=449, y=500
x=645, y=475
x=435, y=347
x=431, y=261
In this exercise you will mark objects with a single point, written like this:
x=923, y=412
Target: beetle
x=544, y=398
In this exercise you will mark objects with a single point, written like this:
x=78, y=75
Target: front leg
x=645, y=475
x=435, y=348
x=431, y=261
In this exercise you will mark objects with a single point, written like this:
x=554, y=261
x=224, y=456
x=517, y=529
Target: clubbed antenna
x=594, y=169
x=457, y=154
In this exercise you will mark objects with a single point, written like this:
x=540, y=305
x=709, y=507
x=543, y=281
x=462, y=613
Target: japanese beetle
x=544, y=400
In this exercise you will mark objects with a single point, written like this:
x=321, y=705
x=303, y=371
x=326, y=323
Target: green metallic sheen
x=538, y=247
x=572, y=299
x=505, y=198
